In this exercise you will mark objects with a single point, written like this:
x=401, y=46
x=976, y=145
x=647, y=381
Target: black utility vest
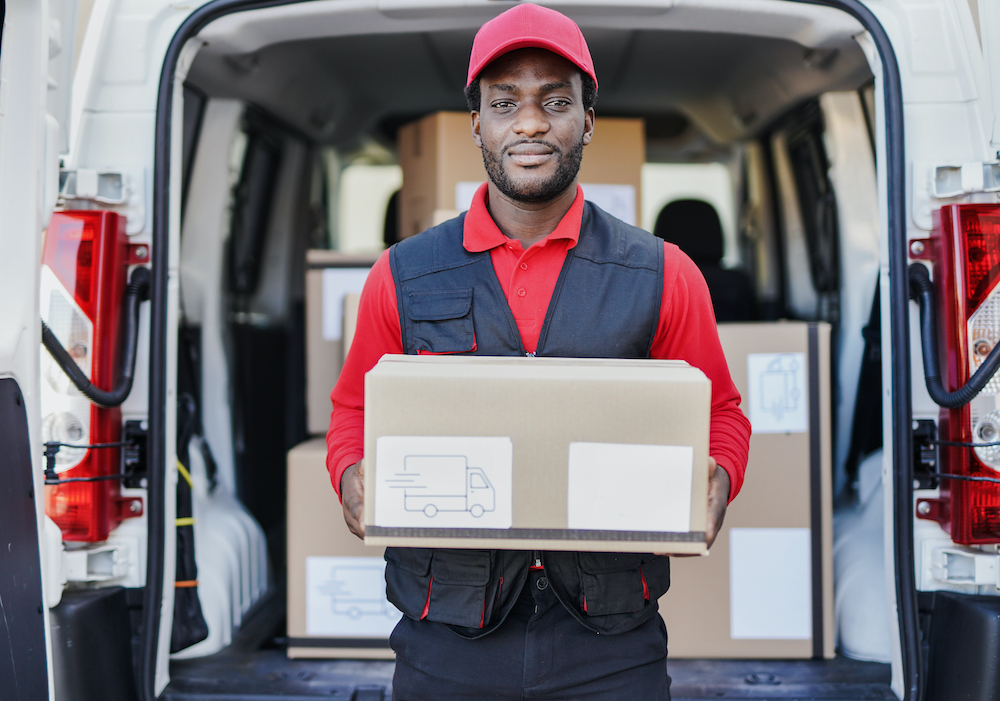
x=606, y=304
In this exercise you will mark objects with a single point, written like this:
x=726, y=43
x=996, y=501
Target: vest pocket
x=459, y=592
x=611, y=583
x=407, y=579
x=440, y=321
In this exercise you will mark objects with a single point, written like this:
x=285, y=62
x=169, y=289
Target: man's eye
x=503, y=104
x=558, y=103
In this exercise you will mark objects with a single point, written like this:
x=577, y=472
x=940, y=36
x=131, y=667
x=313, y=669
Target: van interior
x=290, y=126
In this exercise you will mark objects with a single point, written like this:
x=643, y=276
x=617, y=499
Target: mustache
x=539, y=142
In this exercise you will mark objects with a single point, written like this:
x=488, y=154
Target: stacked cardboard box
x=766, y=588
x=764, y=591
x=333, y=280
x=336, y=587
x=442, y=167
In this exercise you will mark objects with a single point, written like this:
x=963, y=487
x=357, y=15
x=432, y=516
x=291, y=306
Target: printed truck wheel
x=430, y=511
x=354, y=612
x=476, y=511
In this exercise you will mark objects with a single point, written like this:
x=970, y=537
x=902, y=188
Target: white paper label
x=626, y=487
x=338, y=283
x=777, y=392
x=464, y=192
x=616, y=200
x=444, y=482
x=770, y=583
x=345, y=598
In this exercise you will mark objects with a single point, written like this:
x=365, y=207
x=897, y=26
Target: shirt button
x=542, y=583
x=521, y=292
x=524, y=266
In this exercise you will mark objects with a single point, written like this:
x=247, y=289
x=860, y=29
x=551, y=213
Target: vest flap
x=435, y=305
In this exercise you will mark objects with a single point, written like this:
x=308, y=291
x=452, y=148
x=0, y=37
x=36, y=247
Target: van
x=210, y=143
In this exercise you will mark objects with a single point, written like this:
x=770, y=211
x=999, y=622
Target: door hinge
x=970, y=567
x=925, y=454
x=965, y=179
x=105, y=187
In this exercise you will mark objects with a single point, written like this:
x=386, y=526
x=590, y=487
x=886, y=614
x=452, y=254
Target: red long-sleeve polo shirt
x=686, y=331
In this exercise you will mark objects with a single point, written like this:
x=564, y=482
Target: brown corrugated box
x=520, y=437
x=325, y=355
x=316, y=530
x=437, y=153
x=786, y=499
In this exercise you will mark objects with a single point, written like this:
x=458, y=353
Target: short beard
x=535, y=192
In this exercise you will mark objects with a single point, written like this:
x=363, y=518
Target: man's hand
x=718, y=499
x=352, y=497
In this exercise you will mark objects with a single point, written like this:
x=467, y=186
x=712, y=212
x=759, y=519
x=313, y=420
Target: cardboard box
x=336, y=585
x=518, y=453
x=442, y=167
x=331, y=277
x=766, y=588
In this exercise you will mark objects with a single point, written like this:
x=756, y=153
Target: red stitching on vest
x=427, y=604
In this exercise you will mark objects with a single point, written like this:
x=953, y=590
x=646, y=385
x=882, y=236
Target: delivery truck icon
x=433, y=483
x=357, y=591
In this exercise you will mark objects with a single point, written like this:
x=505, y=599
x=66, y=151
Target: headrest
x=694, y=226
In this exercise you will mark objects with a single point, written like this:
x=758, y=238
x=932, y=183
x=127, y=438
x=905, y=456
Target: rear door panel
x=28, y=168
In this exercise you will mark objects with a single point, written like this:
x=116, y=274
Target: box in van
x=442, y=168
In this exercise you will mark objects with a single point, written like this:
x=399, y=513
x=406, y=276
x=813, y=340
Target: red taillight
x=967, y=273
x=84, y=266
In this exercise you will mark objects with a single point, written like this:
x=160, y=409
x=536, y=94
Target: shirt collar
x=481, y=233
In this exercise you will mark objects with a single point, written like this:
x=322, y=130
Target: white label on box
x=616, y=200
x=444, y=482
x=627, y=487
x=770, y=584
x=345, y=598
x=337, y=284
x=777, y=392
x=464, y=192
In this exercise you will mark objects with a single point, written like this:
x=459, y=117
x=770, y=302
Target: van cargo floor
x=255, y=668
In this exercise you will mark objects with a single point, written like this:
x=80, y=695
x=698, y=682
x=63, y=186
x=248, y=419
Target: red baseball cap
x=527, y=26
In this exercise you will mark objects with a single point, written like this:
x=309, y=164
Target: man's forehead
x=536, y=67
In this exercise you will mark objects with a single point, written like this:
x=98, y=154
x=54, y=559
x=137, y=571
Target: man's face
x=531, y=124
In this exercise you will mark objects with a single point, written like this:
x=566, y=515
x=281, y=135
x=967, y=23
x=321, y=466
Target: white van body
x=936, y=70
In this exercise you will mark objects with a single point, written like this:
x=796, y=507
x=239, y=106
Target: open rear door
x=29, y=170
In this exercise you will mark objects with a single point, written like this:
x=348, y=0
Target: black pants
x=540, y=652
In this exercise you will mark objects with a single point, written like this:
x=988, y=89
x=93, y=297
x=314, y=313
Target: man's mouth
x=527, y=155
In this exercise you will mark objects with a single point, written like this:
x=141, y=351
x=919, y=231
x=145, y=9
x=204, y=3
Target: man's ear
x=588, y=125
x=476, y=136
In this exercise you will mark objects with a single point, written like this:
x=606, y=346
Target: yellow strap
x=187, y=521
x=185, y=474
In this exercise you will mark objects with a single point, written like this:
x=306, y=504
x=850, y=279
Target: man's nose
x=531, y=120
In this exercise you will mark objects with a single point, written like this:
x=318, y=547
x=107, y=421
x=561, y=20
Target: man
x=550, y=275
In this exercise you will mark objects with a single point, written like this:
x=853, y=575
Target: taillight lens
x=84, y=265
x=967, y=272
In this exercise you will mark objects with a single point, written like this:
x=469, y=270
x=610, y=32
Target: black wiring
x=119, y=444
x=960, y=444
x=967, y=478
x=99, y=478
x=52, y=448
